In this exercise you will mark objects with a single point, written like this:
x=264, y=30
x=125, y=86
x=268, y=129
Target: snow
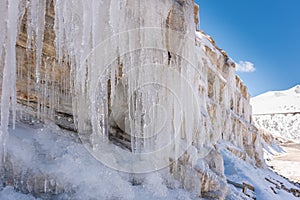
x=240, y=171
x=8, y=193
x=286, y=126
x=271, y=150
x=278, y=112
x=69, y=171
x=277, y=102
x=206, y=41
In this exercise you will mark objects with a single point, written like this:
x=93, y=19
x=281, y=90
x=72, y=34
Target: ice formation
x=10, y=20
x=136, y=73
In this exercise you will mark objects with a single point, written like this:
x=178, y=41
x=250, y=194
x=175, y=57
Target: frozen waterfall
x=116, y=71
x=155, y=69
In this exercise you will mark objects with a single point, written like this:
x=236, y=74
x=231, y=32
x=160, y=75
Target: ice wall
x=133, y=71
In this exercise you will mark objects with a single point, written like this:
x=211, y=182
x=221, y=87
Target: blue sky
x=263, y=32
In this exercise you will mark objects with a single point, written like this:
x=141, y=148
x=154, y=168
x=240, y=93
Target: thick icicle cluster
x=130, y=77
x=108, y=51
x=12, y=14
x=131, y=74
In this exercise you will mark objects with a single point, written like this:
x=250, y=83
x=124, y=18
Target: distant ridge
x=274, y=102
x=278, y=112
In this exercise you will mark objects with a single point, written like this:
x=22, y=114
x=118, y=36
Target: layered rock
x=50, y=97
x=139, y=74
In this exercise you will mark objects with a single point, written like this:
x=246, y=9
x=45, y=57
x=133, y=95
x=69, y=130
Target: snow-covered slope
x=279, y=112
x=275, y=102
x=49, y=164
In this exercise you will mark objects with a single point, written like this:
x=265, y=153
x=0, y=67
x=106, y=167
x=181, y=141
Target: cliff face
x=137, y=74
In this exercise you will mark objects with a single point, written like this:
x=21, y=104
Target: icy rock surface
x=132, y=73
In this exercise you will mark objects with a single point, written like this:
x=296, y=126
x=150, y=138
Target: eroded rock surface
x=109, y=68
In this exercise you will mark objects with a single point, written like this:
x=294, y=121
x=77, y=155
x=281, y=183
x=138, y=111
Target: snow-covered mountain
x=279, y=112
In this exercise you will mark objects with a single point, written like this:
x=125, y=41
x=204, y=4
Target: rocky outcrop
x=95, y=79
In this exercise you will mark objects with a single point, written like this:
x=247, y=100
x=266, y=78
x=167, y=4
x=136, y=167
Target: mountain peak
x=296, y=86
x=295, y=89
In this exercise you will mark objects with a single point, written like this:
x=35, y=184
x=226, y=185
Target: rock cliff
x=136, y=74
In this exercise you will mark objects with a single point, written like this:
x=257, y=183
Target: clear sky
x=263, y=32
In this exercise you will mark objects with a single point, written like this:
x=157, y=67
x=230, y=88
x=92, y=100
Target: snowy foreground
x=48, y=162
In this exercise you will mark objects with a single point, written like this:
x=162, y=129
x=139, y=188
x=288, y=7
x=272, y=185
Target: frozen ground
x=287, y=161
x=60, y=165
x=263, y=180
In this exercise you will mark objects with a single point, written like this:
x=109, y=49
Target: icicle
x=31, y=23
x=58, y=27
x=45, y=185
x=9, y=71
x=3, y=6
x=39, y=34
